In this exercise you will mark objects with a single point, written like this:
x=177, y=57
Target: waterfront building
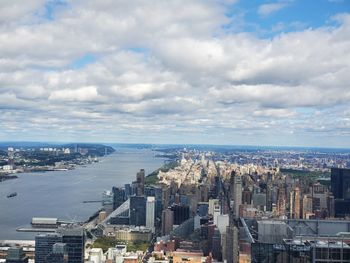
x=150, y=212
x=102, y=216
x=118, y=197
x=128, y=191
x=44, y=222
x=107, y=201
x=43, y=246
x=137, y=213
x=16, y=255
x=74, y=238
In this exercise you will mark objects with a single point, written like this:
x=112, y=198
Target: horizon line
x=180, y=144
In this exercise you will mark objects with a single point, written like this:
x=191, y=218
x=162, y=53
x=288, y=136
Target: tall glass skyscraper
x=43, y=246
x=138, y=210
x=66, y=242
x=340, y=183
x=74, y=238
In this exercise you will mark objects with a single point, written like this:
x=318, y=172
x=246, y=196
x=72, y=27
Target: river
x=61, y=193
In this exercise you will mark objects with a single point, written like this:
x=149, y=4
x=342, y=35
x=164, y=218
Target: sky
x=176, y=71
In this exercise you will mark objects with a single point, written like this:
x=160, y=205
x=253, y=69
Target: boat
x=11, y=195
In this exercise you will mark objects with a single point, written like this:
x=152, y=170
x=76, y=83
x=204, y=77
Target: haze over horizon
x=272, y=73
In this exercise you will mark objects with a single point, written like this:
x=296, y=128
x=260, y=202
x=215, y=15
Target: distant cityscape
x=31, y=158
x=205, y=204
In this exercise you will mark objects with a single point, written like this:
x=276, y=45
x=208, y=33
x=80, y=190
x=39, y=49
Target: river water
x=61, y=193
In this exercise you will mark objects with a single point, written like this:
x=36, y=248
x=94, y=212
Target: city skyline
x=226, y=72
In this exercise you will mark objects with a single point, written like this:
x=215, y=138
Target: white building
x=150, y=212
x=214, y=209
x=96, y=255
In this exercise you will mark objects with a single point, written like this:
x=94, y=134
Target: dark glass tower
x=340, y=180
x=340, y=184
x=138, y=210
x=74, y=238
x=43, y=246
x=118, y=197
x=181, y=213
x=59, y=254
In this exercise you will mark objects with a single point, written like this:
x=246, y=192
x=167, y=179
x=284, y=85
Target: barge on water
x=11, y=195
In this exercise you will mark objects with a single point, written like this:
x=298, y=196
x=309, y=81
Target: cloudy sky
x=176, y=71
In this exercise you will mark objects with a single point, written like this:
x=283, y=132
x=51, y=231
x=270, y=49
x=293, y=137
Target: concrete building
x=167, y=221
x=295, y=203
x=237, y=194
x=150, y=212
x=214, y=209
x=124, y=233
x=96, y=255
x=307, y=206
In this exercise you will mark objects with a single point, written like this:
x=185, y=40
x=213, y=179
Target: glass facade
x=271, y=253
x=43, y=246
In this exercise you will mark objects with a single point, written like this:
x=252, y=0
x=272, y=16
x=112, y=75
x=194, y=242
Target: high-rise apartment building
x=167, y=221
x=150, y=211
x=295, y=203
x=140, y=180
x=237, y=194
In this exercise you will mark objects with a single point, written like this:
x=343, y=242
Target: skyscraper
x=140, y=179
x=74, y=238
x=118, y=197
x=150, y=211
x=340, y=184
x=237, y=194
x=181, y=213
x=295, y=203
x=167, y=221
x=43, y=246
x=59, y=253
x=281, y=201
x=137, y=212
